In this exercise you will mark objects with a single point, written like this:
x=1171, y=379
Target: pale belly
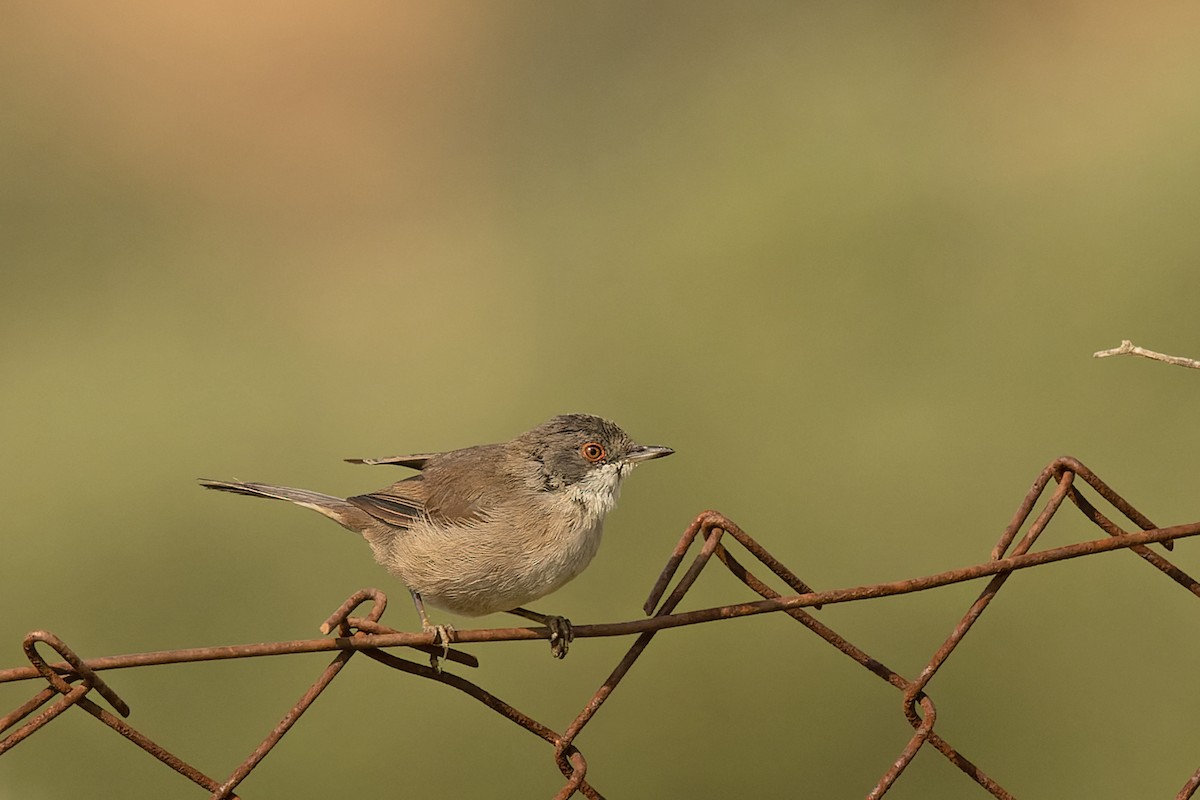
x=475, y=573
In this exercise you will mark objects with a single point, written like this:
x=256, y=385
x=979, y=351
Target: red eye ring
x=593, y=451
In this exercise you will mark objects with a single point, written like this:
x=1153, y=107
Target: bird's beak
x=645, y=452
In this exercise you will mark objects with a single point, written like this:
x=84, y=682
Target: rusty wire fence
x=72, y=681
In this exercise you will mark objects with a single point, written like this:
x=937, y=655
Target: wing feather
x=416, y=461
x=460, y=487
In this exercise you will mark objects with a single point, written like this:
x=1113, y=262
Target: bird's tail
x=345, y=514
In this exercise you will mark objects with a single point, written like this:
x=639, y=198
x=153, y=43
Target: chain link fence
x=73, y=682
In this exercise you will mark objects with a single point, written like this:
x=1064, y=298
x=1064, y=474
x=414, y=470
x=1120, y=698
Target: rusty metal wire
x=368, y=635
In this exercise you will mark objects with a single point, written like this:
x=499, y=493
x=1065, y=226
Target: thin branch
x=1128, y=348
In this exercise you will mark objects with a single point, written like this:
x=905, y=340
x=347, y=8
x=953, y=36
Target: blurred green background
x=850, y=261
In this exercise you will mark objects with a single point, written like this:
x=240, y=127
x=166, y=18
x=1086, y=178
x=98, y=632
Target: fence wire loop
x=85, y=674
x=713, y=533
x=340, y=619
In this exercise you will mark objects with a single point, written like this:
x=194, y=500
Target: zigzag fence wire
x=72, y=681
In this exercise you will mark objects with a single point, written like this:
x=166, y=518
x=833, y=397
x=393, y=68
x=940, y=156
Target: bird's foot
x=443, y=633
x=561, y=635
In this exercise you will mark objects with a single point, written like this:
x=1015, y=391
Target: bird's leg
x=443, y=631
x=561, y=632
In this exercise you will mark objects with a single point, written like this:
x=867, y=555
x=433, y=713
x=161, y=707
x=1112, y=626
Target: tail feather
x=345, y=514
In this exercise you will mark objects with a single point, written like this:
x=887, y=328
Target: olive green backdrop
x=850, y=262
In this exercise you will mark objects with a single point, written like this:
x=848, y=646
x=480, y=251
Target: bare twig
x=1128, y=348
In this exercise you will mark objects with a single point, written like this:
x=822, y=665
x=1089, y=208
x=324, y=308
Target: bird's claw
x=561, y=635
x=443, y=633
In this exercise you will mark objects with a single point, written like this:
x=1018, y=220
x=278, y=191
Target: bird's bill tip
x=646, y=452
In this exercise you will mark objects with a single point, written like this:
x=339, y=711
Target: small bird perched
x=492, y=527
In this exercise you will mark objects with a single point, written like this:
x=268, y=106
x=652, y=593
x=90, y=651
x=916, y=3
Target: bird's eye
x=592, y=451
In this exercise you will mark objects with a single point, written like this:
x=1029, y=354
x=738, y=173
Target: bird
x=488, y=528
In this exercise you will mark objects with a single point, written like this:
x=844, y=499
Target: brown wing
x=441, y=501
x=458, y=487
x=400, y=505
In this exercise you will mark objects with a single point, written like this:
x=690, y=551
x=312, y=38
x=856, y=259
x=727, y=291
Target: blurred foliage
x=850, y=261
